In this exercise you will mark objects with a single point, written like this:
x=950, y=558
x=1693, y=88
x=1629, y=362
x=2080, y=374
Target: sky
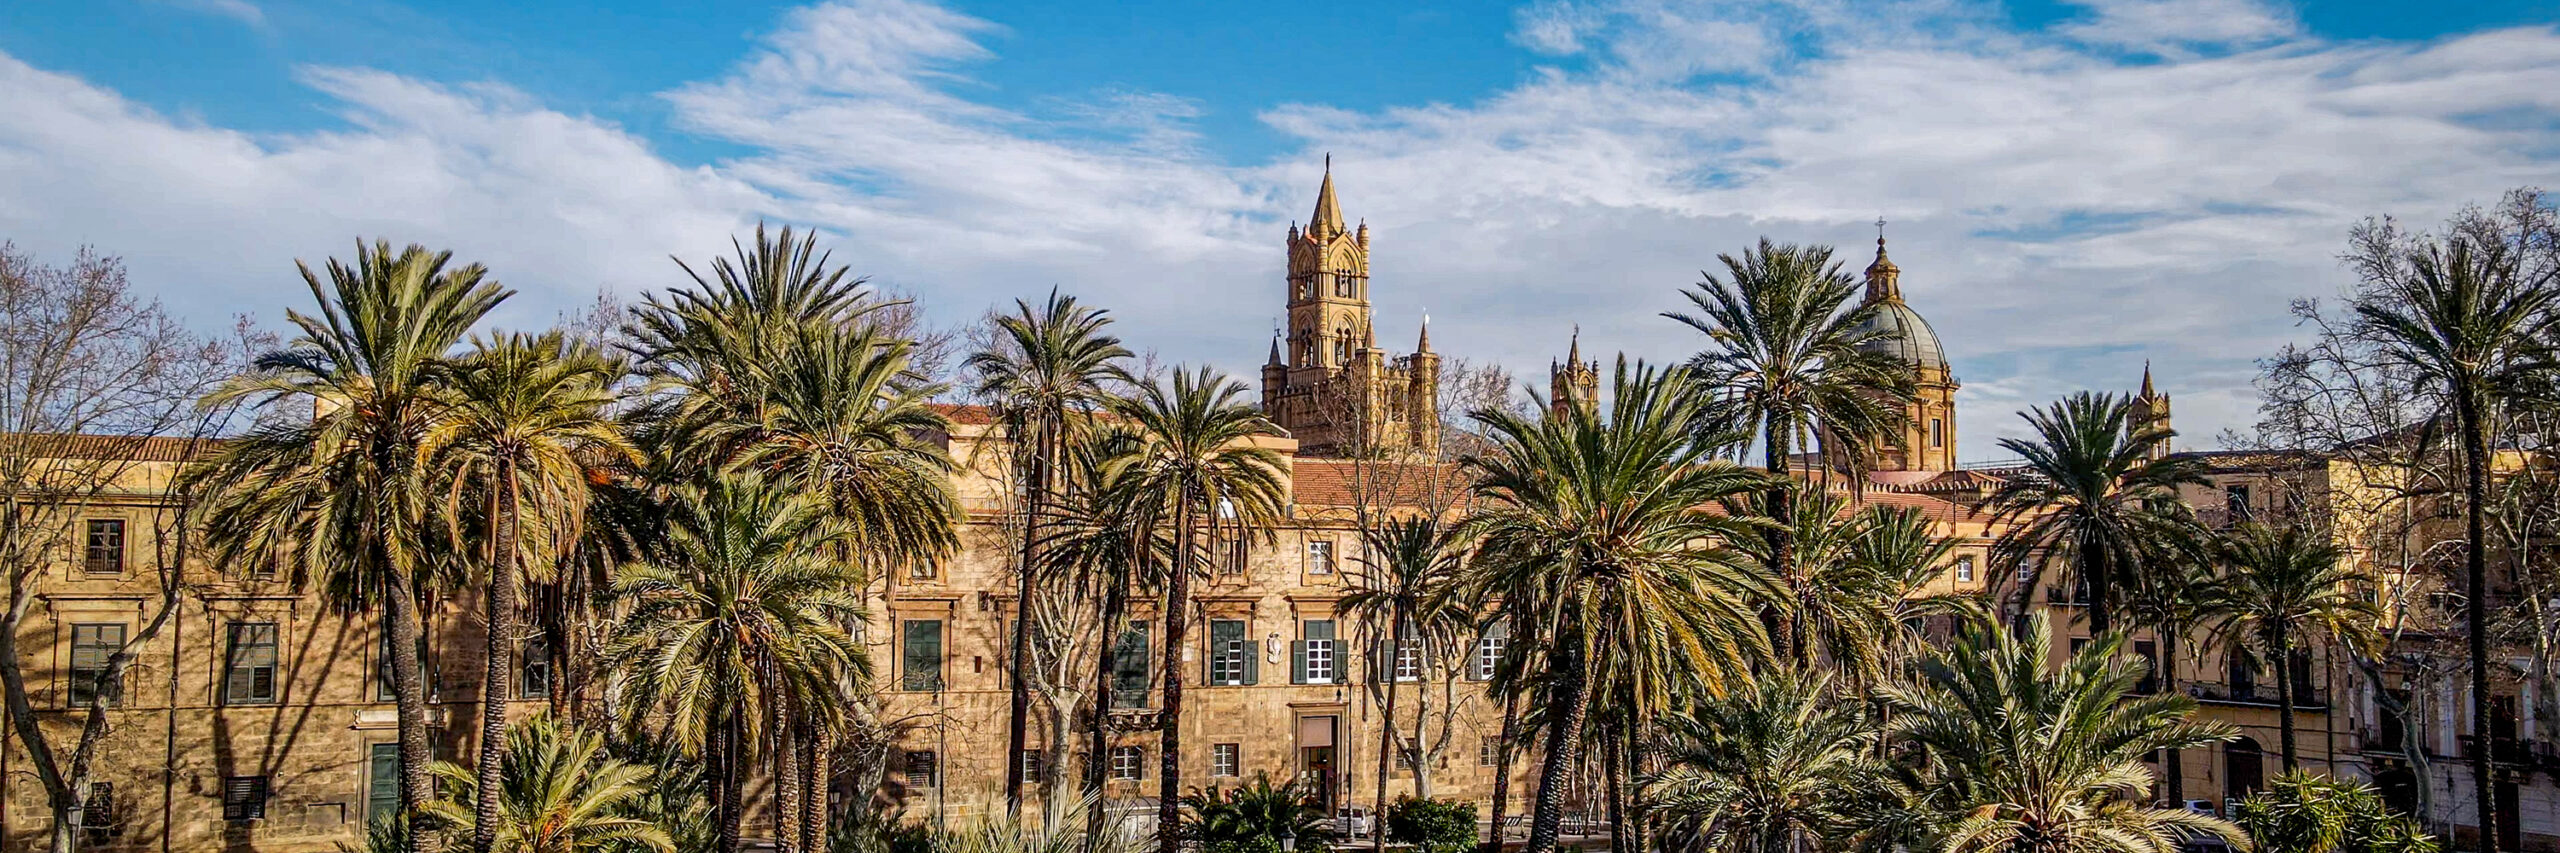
x=2072, y=189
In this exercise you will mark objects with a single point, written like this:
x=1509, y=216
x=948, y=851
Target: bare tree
x=98, y=409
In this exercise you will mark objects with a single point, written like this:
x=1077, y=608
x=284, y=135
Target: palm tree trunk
x=1636, y=829
x=2169, y=676
x=1115, y=605
x=1502, y=766
x=813, y=791
x=2098, y=568
x=409, y=691
x=1421, y=746
x=1613, y=772
x=733, y=765
x=1566, y=710
x=787, y=802
x=1177, y=612
x=499, y=660
x=2284, y=694
x=1387, y=726
x=1018, y=726
x=1776, y=443
x=2475, y=564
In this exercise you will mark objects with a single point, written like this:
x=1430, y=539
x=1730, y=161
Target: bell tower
x=1327, y=381
x=1328, y=290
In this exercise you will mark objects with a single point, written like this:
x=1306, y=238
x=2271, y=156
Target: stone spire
x=1573, y=354
x=2147, y=393
x=1424, y=345
x=1275, y=347
x=1327, y=220
x=1884, y=280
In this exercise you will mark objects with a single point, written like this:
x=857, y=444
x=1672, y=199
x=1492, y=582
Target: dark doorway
x=2243, y=768
x=2510, y=824
x=2399, y=789
x=1317, y=766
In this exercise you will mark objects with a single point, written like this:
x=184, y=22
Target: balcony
x=2304, y=696
x=2505, y=750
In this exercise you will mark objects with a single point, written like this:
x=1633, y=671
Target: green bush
x=2303, y=813
x=1250, y=819
x=1432, y=826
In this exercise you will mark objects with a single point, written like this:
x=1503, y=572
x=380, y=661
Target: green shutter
x=923, y=657
x=382, y=783
x=1129, y=667
x=1252, y=653
x=1223, y=635
x=1297, y=661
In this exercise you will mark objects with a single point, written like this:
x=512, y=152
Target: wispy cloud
x=2149, y=179
x=240, y=10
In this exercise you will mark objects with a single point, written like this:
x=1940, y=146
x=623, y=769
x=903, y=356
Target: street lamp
x=1288, y=837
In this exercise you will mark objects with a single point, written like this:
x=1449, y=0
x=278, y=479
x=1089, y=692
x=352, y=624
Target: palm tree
x=1791, y=356
x=557, y=793
x=1045, y=373
x=2282, y=583
x=740, y=617
x=1398, y=590
x=1201, y=457
x=1901, y=548
x=1588, y=526
x=344, y=493
x=1104, y=537
x=2173, y=595
x=1830, y=605
x=2094, y=489
x=1768, y=768
x=2022, y=759
x=521, y=415
x=2475, y=326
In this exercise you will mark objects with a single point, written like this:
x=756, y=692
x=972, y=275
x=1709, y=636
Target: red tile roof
x=92, y=446
x=1344, y=482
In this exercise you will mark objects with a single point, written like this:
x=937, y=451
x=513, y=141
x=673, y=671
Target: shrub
x=2303, y=813
x=1250, y=819
x=1432, y=826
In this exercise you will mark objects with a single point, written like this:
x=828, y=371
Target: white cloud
x=2060, y=214
x=239, y=10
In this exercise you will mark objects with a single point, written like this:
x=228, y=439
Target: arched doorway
x=2243, y=768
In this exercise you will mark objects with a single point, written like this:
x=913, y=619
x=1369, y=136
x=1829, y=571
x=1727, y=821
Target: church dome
x=1903, y=335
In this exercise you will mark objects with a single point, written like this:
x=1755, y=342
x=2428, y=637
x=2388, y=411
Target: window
x=105, y=554
x=249, y=674
x=923, y=768
x=1226, y=759
x=1231, y=657
x=1489, y=649
x=91, y=646
x=1964, y=569
x=1129, y=667
x=1313, y=658
x=1320, y=557
x=2150, y=654
x=921, y=664
x=98, y=813
x=244, y=798
x=1128, y=763
x=535, y=660
x=1408, y=666
x=923, y=570
x=1489, y=752
x=1033, y=761
x=2235, y=500
x=1937, y=432
x=382, y=782
x=1239, y=554
x=385, y=687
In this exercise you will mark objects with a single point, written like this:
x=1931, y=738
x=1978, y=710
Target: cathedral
x=1328, y=382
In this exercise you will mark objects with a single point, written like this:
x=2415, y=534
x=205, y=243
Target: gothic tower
x=2148, y=411
x=1572, y=383
x=1327, y=381
x=1928, y=440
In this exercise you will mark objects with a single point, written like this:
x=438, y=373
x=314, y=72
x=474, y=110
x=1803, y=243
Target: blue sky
x=2076, y=187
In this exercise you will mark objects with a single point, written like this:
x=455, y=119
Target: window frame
x=1965, y=569
x=76, y=691
x=1321, y=650
x=235, y=643
x=528, y=663
x=908, y=676
x=93, y=554
x=244, y=798
x=1226, y=760
x=1135, y=768
x=1232, y=665
x=925, y=762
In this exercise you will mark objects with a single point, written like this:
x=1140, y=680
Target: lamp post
x=1288, y=837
